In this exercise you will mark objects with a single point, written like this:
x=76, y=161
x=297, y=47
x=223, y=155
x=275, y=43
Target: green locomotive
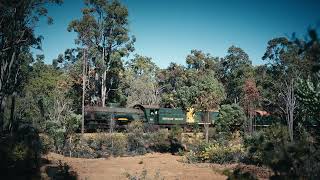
x=104, y=117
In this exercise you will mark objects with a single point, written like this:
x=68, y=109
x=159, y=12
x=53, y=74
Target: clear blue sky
x=167, y=30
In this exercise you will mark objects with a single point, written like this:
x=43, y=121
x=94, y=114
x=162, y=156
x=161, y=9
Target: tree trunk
x=103, y=81
x=2, y=107
x=13, y=106
x=103, y=89
x=70, y=142
x=251, y=117
x=206, y=127
x=290, y=101
x=83, y=90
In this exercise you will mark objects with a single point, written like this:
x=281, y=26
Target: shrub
x=103, y=145
x=288, y=160
x=261, y=144
x=115, y=144
x=196, y=150
x=20, y=152
x=238, y=174
x=175, y=139
x=46, y=143
x=231, y=119
x=216, y=136
x=191, y=157
x=215, y=153
x=150, y=128
x=80, y=147
x=60, y=129
x=159, y=141
x=136, y=140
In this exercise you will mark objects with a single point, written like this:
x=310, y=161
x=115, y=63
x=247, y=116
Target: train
x=119, y=117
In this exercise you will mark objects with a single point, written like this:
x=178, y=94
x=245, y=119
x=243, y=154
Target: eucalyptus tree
x=250, y=101
x=308, y=88
x=17, y=21
x=285, y=66
x=201, y=89
x=141, y=82
x=233, y=71
x=200, y=61
x=103, y=30
x=204, y=93
x=177, y=76
x=171, y=79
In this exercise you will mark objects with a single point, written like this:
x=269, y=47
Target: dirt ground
x=155, y=165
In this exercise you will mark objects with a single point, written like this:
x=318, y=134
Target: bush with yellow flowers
x=217, y=153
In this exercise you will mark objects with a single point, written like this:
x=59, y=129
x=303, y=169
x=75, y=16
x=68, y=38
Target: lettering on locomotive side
x=172, y=119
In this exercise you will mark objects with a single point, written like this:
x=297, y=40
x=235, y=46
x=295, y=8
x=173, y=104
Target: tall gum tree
x=233, y=71
x=201, y=89
x=285, y=66
x=141, y=82
x=103, y=29
x=17, y=21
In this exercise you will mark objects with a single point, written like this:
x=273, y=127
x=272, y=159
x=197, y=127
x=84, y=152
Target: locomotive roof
x=112, y=109
x=146, y=106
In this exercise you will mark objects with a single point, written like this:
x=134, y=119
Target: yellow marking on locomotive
x=190, y=115
x=122, y=119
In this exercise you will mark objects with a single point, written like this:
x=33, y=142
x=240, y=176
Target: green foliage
x=82, y=148
x=142, y=90
x=20, y=152
x=171, y=79
x=200, y=61
x=175, y=132
x=60, y=129
x=47, y=143
x=103, y=31
x=215, y=153
x=289, y=160
x=18, y=21
x=140, y=82
x=231, y=118
x=63, y=172
x=136, y=141
x=116, y=144
x=141, y=65
x=46, y=104
x=158, y=141
x=203, y=93
x=233, y=70
x=195, y=86
x=103, y=145
x=256, y=144
x=309, y=96
x=133, y=142
x=175, y=139
x=238, y=174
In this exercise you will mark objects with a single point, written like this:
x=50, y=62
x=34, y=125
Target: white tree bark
x=206, y=127
x=103, y=88
x=290, y=105
x=83, y=89
x=103, y=82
